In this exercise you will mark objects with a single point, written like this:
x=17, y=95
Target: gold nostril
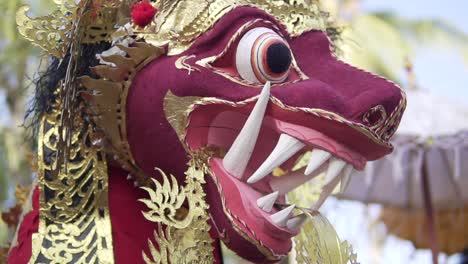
x=375, y=117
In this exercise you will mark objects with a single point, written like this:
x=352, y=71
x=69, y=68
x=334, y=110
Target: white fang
x=239, y=154
x=286, y=147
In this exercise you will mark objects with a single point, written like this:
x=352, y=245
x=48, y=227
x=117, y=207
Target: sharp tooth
x=286, y=147
x=317, y=158
x=326, y=191
x=281, y=217
x=296, y=222
x=334, y=169
x=239, y=154
x=335, y=173
x=348, y=170
x=266, y=202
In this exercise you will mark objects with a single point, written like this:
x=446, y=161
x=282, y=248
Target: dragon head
x=254, y=85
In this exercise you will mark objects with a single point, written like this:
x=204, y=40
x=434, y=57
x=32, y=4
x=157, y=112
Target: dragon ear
x=107, y=97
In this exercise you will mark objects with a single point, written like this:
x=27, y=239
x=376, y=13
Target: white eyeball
x=262, y=55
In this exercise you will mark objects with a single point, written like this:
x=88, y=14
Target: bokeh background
x=419, y=44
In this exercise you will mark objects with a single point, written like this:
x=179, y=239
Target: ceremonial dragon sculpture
x=167, y=127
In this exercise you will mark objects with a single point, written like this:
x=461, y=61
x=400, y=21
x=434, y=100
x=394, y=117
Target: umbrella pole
x=430, y=217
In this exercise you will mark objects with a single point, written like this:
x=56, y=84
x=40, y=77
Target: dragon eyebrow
x=246, y=27
x=229, y=25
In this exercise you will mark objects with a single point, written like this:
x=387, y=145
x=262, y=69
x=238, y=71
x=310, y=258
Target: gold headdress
x=177, y=24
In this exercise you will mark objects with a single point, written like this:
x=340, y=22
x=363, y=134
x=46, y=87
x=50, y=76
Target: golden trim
x=318, y=241
x=108, y=99
x=181, y=64
x=53, y=33
x=175, y=110
x=74, y=221
x=185, y=237
x=179, y=23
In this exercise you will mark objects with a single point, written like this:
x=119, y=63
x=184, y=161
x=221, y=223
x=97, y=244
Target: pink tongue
x=241, y=200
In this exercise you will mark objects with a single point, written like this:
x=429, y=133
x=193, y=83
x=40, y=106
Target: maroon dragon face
x=258, y=97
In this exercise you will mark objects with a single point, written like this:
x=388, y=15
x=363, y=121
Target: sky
x=439, y=71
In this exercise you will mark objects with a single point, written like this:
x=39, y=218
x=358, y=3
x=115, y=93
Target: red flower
x=143, y=13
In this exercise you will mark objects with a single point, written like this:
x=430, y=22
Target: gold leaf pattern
x=108, y=99
x=54, y=32
x=180, y=22
x=185, y=237
x=318, y=242
x=49, y=32
x=74, y=221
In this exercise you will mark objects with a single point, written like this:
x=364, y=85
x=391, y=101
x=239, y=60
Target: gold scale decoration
x=74, y=219
x=74, y=224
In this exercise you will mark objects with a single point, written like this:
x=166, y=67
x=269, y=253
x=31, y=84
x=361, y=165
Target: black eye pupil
x=278, y=58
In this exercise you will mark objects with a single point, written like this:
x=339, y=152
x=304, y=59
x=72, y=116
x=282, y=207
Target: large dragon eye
x=262, y=55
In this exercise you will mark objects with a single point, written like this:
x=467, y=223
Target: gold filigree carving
x=180, y=22
x=176, y=110
x=108, y=99
x=54, y=33
x=49, y=32
x=318, y=241
x=185, y=237
x=74, y=221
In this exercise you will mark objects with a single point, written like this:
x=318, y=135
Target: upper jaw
x=261, y=134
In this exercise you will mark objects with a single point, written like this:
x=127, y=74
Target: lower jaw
x=241, y=219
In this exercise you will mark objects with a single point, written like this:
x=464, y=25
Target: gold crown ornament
x=177, y=22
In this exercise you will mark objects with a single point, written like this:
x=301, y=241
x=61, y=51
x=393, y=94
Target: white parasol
x=431, y=153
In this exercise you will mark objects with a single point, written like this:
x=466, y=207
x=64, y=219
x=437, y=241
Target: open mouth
x=258, y=145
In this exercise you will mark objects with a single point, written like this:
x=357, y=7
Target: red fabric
x=143, y=13
x=30, y=225
x=130, y=230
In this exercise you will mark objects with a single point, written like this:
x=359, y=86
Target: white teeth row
x=238, y=156
x=286, y=147
x=337, y=172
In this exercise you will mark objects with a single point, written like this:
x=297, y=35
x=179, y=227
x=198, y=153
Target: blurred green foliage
x=18, y=62
x=384, y=42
